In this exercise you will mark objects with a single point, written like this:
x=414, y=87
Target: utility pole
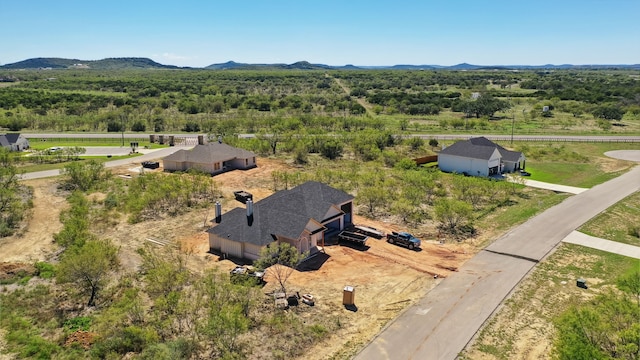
x=122, y=127
x=513, y=121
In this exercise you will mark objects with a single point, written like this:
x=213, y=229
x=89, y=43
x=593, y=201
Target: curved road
x=157, y=154
x=441, y=324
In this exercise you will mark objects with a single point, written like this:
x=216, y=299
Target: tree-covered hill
x=104, y=64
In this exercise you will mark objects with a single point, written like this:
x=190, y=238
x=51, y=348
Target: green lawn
x=573, y=164
x=44, y=167
x=571, y=174
x=39, y=144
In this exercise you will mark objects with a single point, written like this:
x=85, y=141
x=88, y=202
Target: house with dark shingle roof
x=14, y=142
x=479, y=157
x=212, y=158
x=302, y=217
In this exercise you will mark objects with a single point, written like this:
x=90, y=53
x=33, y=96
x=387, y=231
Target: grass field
x=573, y=164
x=618, y=223
x=523, y=328
x=38, y=144
x=44, y=167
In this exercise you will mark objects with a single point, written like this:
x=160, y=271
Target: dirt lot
x=386, y=278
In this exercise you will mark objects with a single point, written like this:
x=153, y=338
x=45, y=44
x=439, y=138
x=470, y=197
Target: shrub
x=45, y=270
x=78, y=323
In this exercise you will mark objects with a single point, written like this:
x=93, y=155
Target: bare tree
x=279, y=259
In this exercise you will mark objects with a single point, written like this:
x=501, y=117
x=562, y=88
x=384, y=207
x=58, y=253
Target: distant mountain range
x=144, y=63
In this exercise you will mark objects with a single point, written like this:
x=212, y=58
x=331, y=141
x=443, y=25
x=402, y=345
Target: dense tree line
x=245, y=101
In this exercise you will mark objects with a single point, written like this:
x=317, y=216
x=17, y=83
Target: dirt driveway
x=35, y=242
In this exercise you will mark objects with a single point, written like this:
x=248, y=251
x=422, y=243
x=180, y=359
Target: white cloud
x=171, y=56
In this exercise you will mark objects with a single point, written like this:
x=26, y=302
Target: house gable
x=287, y=214
x=478, y=156
x=211, y=158
x=14, y=141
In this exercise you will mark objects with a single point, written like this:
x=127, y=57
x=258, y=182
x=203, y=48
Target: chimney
x=220, y=139
x=200, y=139
x=249, y=212
x=249, y=207
x=218, y=212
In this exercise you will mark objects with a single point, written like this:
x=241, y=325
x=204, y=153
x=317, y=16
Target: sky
x=333, y=32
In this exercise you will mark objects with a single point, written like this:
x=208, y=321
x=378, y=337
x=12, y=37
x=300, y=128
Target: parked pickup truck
x=353, y=237
x=404, y=239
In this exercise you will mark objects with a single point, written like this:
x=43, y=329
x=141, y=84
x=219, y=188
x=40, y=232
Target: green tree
x=374, y=196
x=89, y=267
x=331, y=149
x=630, y=283
x=11, y=206
x=83, y=176
x=607, y=327
x=452, y=214
x=279, y=259
x=75, y=232
x=608, y=112
x=138, y=126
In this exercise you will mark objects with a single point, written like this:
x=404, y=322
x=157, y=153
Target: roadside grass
x=571, y=174
x=573, y=164
x=44, y=144
x=44, y=167
x=620, y=222
x=530, y=203
x=523, y=325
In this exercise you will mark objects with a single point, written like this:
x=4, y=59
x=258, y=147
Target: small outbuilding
x=14, y=142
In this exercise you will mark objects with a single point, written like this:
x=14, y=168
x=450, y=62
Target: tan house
x=301, y=217
x=212, y=158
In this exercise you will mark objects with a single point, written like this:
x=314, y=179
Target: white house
x=212, y=158
x=14, y=142
x=479, y=157
x=301, y=217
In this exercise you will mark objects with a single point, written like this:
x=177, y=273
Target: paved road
x=578, y=238
x=441, y=324
x=154, y=155
x=99, y=135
